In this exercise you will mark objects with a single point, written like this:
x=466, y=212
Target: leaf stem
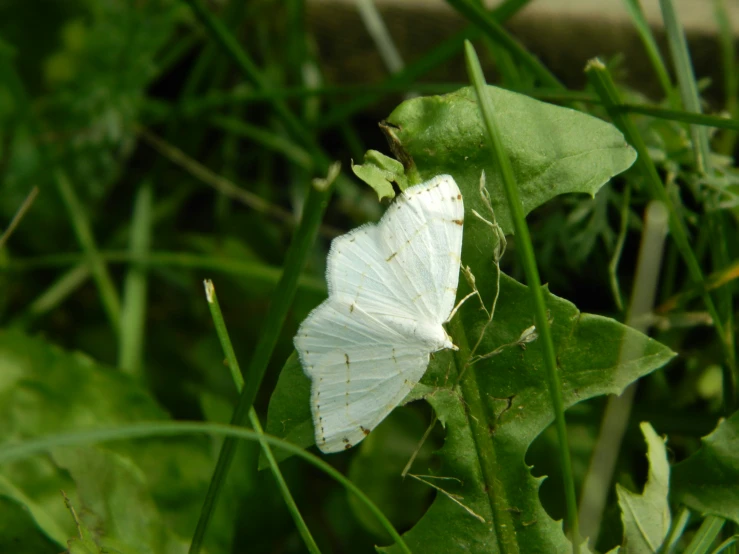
x=532, y=277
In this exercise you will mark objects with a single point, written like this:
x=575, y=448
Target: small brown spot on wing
x=458, y=221
x=346, y=357
x=391, y=256
x=347, y=446
x=364, y=430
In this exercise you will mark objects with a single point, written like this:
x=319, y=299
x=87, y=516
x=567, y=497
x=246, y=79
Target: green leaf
x=116, y=499
x=706, y=481
x=513, y=392
x=380, y=172
x=553, y=150
x=44, y=390
x=18, y=531
x=85, y=542
x=377, y=468
x=646, y=517
x=289, y=414
x=45, y=495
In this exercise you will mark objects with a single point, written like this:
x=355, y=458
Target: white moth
x=391, y=287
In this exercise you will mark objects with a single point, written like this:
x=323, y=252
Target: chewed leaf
x=646, y=516
x=516, y=397
x=487, y=456
x=380, y=172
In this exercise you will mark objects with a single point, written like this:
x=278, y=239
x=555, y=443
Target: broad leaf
x=553, y=150
x=18, y=531
x=125, y=487
x=114, y=493
x=289, y=414
x=707, y=480
x=376, y=469
x=646, y=516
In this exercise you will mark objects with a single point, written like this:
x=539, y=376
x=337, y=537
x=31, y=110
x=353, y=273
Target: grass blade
x=650, y=45
x=686, y=81
x=133, y=314
x=80, y=222
x=492, y=29
x=597, y=482
x=380, y=35
x=717, y=226
x=303, y=238
x=706, y=534
x=531, y=270
x=679, y=115
x=603, y=84
x=729, y=70
x=438, y=55
x=22, y=209
x=256, y=272
x=233, y=365
x=86, y=239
